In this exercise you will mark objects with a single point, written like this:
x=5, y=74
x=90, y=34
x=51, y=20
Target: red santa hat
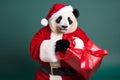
x=56, y=11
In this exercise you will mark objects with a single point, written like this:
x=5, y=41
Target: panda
x=60, y=29
x=65, y=23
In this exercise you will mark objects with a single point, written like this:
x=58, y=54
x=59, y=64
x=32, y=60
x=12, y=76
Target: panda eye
x=58, y=19
x=69, y=20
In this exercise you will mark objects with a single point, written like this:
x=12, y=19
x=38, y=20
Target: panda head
x=65, y=22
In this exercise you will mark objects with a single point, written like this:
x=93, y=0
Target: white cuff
x=79, y=43
x=47, y=51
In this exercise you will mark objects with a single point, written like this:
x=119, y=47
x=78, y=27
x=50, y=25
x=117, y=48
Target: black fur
x=59, y=19
x=76, y=13
x=62, y=45
x=69, y=20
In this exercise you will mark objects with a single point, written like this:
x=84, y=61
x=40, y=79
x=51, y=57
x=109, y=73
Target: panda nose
x=64, y=26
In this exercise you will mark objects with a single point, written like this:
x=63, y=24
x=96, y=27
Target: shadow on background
x=20, y=20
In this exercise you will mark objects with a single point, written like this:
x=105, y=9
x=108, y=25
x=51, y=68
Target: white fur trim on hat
x=62, y=10
x=44, y=22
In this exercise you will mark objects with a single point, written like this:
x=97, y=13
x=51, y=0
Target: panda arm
x=41, y=47
x=35, y=43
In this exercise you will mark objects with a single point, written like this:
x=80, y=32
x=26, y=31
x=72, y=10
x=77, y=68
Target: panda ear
x=76, y=13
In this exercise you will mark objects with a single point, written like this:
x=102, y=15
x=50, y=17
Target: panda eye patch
x=69, y=20
x=58, y=19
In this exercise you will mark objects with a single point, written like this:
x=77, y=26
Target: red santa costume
x=42, y=47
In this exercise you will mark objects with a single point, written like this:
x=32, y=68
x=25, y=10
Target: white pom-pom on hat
x=44, y=22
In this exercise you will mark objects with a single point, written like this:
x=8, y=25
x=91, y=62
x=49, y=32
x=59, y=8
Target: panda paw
x=62, y=45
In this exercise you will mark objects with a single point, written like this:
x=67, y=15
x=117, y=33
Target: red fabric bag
x=85, y=61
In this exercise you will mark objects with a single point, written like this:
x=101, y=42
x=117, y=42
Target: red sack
x=84, y=61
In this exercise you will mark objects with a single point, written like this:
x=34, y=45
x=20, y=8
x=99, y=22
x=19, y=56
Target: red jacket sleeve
x=36, y=41
x=82, y=35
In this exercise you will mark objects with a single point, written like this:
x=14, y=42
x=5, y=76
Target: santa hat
x=56, y=11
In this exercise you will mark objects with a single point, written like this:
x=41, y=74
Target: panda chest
x=56, y=37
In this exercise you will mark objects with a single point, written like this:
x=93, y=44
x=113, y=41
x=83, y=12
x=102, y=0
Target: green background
x=20, y=20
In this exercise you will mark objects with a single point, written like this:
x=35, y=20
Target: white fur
x=55, y=36
x=65, y=23
x=79, y=43
x=44, y=22
x=47, y=53
x=47, y=48
x=55, y=77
